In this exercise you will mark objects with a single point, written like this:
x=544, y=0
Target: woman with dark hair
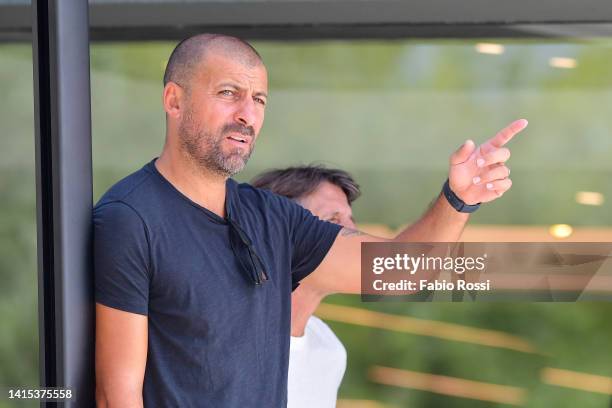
x=317, y=359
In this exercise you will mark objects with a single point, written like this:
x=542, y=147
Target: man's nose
x=246, y=113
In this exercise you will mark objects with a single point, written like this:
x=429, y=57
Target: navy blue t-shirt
x=215, y=338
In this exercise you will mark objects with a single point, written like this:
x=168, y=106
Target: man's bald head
x=190, y=54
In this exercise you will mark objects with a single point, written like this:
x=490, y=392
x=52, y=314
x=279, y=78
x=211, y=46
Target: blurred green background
x=390, y=112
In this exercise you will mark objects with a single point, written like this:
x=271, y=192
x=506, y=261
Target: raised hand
x=480, y=175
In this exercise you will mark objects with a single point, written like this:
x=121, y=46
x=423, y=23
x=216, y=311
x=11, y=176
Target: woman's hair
x=297, y=182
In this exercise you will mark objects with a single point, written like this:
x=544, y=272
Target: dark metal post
x=64, y=196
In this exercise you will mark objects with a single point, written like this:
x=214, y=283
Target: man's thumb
x=463, y=153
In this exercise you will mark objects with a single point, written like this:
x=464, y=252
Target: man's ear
x=172, y=99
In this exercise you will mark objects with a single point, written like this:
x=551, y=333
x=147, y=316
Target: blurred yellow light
x=577, y=380
x=560, y=62
x=561, y=230
x=589, y=198
x=451, y=386
x=490, y=48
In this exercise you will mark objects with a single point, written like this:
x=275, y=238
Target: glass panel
x=18, y=270
x=391, y=112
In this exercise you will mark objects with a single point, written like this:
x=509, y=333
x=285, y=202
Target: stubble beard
x=205, y=149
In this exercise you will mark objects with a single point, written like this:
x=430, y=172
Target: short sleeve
x=121, y=258
x=311, y=239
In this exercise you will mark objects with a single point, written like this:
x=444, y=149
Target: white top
x=317, y=362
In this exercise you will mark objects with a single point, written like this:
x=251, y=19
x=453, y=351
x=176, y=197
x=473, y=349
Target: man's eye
x=261, y=101
x=226, y=92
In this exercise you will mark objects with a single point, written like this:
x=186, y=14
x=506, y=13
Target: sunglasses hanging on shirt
x=246, y=254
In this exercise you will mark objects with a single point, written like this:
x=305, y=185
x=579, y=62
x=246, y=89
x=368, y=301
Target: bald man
x=194, y=272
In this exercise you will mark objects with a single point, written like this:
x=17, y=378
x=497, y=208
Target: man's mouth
x=239, y=138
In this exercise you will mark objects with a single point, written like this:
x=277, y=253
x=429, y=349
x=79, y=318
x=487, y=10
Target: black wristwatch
x=456, y=202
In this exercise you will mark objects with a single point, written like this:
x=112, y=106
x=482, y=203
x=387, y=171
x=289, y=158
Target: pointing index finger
x=506, y=134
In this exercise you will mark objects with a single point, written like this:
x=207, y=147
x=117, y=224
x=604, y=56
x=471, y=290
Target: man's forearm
x=340, y=270
x=441, y=223
x=476, y=175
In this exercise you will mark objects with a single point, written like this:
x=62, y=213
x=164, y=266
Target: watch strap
x=457, y=203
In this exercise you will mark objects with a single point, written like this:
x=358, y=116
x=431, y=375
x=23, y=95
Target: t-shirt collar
x=231, y=196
